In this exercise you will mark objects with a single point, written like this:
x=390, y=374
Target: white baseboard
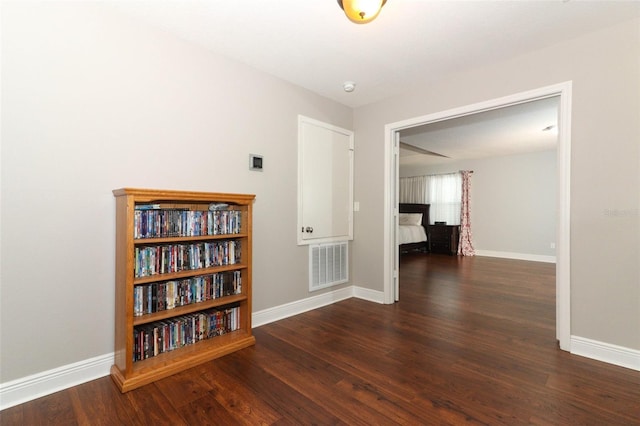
x=517, y=256
x=276, y=313
x=37, y=385
x=368, y=294
x=299, y=306
x=606, y=352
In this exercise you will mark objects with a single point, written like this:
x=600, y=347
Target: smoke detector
x=349, y=86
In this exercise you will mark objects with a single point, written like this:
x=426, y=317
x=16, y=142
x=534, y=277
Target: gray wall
x=513, y=204
x=605, y=169
x=93, y=101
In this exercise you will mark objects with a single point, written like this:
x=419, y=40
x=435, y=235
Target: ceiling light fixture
x=361, y=11
x=349, y=86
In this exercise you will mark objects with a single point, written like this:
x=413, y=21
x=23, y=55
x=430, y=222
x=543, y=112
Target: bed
x=413, y=220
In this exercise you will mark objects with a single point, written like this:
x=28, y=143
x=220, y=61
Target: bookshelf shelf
x=187, y=309
x=152, y=241
x=168, y=322
x=188, y=273
x=173, y=362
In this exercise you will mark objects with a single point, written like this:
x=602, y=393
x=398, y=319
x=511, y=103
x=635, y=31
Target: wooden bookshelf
x=142, y=350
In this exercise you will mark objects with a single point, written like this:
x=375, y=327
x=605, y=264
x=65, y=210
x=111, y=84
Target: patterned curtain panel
x=465, y=247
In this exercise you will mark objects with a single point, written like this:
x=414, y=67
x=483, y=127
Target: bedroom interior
x=111, y=94
x=524, y=121
x=509, y=133
x=497, y=129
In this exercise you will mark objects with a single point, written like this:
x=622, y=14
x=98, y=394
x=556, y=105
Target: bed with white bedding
x=413, y=221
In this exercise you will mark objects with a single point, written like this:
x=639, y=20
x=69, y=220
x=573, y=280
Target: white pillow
x=410, y=219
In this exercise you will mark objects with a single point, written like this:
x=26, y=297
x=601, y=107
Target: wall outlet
x=552, y=245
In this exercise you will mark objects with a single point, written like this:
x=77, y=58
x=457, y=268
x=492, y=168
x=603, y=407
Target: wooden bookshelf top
x=160, y=195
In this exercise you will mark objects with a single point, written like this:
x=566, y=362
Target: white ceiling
x=517, y=129
x=310, y=43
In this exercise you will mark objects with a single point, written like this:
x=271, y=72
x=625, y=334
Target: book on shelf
x=167, y=295
x=147, y=206
x=163, y=336
x=171, y=258
x=150, y=223
x=218, y=206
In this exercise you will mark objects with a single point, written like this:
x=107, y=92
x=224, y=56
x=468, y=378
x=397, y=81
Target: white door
x=325, y=182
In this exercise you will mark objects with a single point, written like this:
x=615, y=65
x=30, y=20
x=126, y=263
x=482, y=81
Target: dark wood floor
x=471, y=341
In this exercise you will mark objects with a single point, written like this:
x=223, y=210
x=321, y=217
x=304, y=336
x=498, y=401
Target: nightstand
x=444, y=239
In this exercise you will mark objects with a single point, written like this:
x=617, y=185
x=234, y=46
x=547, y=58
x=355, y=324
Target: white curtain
x=413, y=190
x=442, y=192
x=444, y=195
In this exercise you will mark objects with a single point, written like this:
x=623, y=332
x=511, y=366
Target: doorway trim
x=563, y=194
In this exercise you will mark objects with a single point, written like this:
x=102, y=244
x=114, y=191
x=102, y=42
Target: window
x=443, y=192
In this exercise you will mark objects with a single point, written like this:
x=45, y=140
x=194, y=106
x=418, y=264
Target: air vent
x=328, y=265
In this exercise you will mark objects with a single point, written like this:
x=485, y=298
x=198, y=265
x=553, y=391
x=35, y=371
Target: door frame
x=563, y=194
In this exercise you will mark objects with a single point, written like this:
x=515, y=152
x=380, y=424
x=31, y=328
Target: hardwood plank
x=206, y=411
x=12, y=415
x=292, y=405
x=54, y=409
x=183, y=388
x=317, y=380
x=57, y=410
x=600, y=395
x=240, y=401
x=99, y=402
x=472, y=341
x=153, y=408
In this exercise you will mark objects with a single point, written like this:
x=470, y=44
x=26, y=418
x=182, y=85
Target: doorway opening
x=391, y=258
